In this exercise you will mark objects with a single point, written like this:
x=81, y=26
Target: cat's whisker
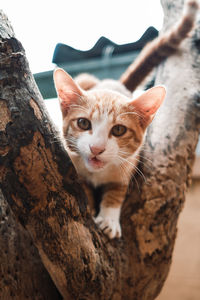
x=133, y=177
x=127, y=154
x=140, y=173
x=137, y=159
x=143, y=148
x=124, y=168
x=145, y=152
x=71, y=141
x=147, y=159
x=135, y=168
x=124, y=174
x=143, y=163
x=124, y=152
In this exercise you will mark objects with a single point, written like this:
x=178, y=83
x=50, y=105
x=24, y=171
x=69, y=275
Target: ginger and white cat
x=104, y=127
x=104, y=130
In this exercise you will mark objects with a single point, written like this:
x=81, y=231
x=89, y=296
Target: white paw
x=108, y=221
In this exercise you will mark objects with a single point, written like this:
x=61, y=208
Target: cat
x=104, y=127
x=104, y=130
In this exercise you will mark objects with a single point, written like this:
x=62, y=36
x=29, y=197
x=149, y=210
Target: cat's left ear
x=148, y=103
x=68, y=91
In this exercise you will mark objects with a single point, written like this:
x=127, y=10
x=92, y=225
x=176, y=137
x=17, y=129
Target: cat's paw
x=108, y=221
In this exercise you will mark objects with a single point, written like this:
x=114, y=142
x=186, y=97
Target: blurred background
x=77, y=26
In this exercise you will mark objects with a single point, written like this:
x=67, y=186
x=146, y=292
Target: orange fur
x=99, y=154
x=86, y=81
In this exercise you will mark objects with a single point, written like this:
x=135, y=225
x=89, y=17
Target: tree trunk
x=40, y=184
x=22, y=274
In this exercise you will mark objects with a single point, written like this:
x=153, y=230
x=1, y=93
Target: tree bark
x=41, y=186
x=22, y=274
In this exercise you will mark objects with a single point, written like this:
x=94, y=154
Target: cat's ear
x=148, y=103
x=68, y=91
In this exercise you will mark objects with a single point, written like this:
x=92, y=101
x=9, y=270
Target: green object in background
x=104, y=67
x=105, y=60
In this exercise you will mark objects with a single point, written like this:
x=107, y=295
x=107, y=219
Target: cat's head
x=104, y=127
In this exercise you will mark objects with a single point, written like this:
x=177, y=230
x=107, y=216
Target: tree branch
x=41, y=186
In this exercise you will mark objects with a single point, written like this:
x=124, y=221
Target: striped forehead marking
x=103, y=108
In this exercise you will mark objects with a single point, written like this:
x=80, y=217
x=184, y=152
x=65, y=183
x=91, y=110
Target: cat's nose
x=97, y=150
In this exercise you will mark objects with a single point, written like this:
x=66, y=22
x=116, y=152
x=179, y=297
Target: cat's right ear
x=67, y=90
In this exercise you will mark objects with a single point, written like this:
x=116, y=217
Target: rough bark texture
x=42, y=189
x=22, y=274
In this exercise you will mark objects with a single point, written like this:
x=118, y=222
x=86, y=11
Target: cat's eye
x=118, y=130
x=84, y=124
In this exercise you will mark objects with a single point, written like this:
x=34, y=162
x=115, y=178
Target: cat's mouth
x=96, y=163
